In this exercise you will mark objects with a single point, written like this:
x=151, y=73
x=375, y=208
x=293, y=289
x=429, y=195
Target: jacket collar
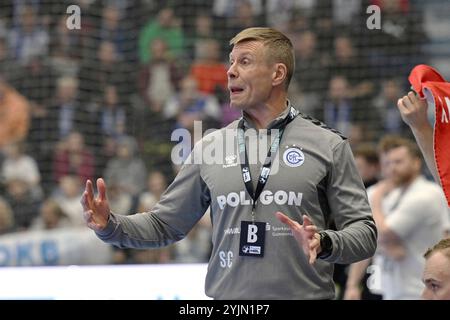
x=274, y=124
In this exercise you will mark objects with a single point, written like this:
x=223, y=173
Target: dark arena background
x=92, y=88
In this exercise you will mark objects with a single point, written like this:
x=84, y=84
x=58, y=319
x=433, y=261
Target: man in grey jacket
x=270, y=234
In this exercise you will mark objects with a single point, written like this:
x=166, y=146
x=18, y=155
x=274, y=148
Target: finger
x=286, y=220
x=307, y=221
x=314, y=243
x=90, y=193
x=84, y=201
x=401, y=106
x=407, y=102
x=89, y=189
x=312, y=256
x=311, y=228
x=101, y=187
x=412, y=96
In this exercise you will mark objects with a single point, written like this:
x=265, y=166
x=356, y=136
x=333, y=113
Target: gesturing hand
x=306, y=235
x=95, y=210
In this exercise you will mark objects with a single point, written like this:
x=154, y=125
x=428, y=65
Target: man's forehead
x=437, y=265
x=246, y=47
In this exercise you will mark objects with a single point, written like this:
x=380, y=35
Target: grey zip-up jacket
x=324, y=184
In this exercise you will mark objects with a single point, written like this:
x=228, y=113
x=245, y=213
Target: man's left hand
x=306, y=235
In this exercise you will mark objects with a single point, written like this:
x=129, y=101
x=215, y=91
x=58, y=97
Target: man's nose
x=426, y=294
x=232, y=73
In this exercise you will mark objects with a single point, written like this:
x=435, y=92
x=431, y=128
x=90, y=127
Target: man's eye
x=434, y=287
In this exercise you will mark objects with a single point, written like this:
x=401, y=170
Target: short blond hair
x=442, y=246
x=279, y=45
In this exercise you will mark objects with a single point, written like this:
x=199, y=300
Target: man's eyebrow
x=429, y=280
x=246, y=54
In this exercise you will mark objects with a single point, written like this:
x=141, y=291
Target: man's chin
x=236, y=106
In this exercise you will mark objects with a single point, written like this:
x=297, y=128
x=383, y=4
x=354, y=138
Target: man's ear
x=279, y=74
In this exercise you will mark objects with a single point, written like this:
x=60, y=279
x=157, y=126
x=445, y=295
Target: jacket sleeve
x=180, y=207
x=356, y=235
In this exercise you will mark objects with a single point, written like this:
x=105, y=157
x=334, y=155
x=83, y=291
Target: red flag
x=425, y=77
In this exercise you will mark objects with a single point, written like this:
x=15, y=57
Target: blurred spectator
x=126, y=169
x=230, y=8
x=410, y=213
x=9, y=69
x=111, y=29
x=346, y=11
x=37, y=83
x=6, y=217
x=247, y=13
x=112, y=114
x=309, y=80
x=338, y=111
x=105, y=153
x=208, y=70
x=322, y=23
x=308, y=65
x=280, y=13
x=65, y=47
x=72, y=157
x=190, y=105
x=14, y=115
x=107, y=69
x=361, y=131
x=66, y=113
x=348, y=62
x=120, y=201
x=158, y=79
x=367, y=163
x=156, y=185
x=385, y=104
x=24, y=204
x=18, y=165
x=51, y=216
x=63, y=116
x=202, y=30
x=67, y=196
x=164, y=27
x=28, y=38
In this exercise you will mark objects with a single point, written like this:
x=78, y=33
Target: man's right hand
x=95, y=210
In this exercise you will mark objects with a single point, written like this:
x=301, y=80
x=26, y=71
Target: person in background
x=436, y=274
x=410, y=213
